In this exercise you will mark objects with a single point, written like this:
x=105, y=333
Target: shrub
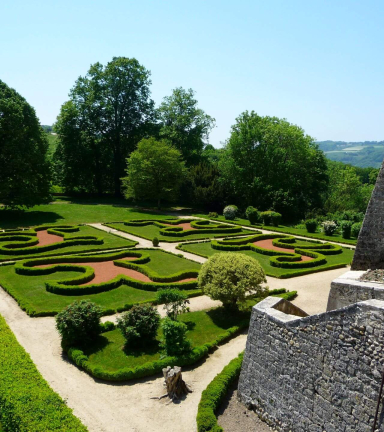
x=229, y=277
x=311, y=225
x=346, y=226
x=252, y=214
x=175, y=302
x=271, y=218
x=329, y=227
x=79, y=322
x=230, y=212
x=213, y=215
x=355, y=229
x=155, y=241
x=175, y=341
x=276, y=219
x=139, y=324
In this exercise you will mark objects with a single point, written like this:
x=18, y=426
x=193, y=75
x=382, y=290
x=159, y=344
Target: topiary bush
x=252, y=214
x=175, y=341
x=175, y=302
x=230, y=277
x=213, y=215
x=155, y=242
x=311, y=225
x=355, y=229
x=230, y=212
x=329, y=227
x=276, y=219
x=139, y=325
x=346, y=226
x=79, y=322
x=271, y=218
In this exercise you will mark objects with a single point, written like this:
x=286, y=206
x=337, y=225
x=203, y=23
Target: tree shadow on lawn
x=149, y=348
x=226, y=318
x=19, y=218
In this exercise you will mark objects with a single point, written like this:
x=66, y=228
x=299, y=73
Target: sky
x=317, y=63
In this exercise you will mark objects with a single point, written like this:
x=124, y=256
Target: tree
x=25, y=169
x=229, y=277
x=154, y=171
x=109, y=111
x=185, y=125
x=175, y=302
x=271, y=164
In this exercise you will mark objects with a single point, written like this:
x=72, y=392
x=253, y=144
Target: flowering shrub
x=230, y=212
x=329, y=227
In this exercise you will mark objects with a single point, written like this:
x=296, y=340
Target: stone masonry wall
x=317, y=373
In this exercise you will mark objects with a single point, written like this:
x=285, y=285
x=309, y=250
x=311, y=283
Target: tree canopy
x=24, y=166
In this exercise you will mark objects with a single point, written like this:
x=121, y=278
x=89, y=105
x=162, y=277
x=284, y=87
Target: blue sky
x=319, y=64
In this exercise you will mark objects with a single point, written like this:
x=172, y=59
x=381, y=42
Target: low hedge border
x=214, y=394
x=27, y=403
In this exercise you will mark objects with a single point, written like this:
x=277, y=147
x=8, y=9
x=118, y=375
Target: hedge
x=155, y=367
x=214, y=394
x=27, y=403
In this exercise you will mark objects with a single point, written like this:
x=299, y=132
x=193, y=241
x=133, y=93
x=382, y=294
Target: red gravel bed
x=185, y=226
x=267, y=244
x=46, y=239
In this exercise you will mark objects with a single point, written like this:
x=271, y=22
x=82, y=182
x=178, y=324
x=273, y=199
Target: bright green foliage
x=252, y=214
x=271, y=218
x=154, y=171
x=346, y=226
x=79, y=323
x=212, y=215
x=175, y=302
x=311, y=225
x=175, y=340
x=230, y=212
x=27, y=403
x=230, y=277
x=139, y=325
x=185, y=125
x=355, y=229
x=25, y=171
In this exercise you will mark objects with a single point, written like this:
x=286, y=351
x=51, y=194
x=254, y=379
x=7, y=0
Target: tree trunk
x=176, y=387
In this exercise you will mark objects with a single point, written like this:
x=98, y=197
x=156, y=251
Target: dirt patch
x=107, y=270
x=184, y=225
x=268, y=244
x=235, y=417
x=46, y=239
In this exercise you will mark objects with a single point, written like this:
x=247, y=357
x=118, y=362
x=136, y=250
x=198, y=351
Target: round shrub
x=271, y=218
x=329, y=227
x=355, y=229
x=346, y=226
x=276, y=219
x=311, y=225
x=175, y=341
x=175, y=302
x=230, y=212
x=140, y=324
x=229, y=277
x=155, y=241
x=252, y=215
x=79, y=322
x=213, y=215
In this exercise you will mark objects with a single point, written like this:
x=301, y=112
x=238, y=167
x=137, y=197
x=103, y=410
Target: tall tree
x=270, y=163
x=25, y=169
x=154, y=171
x=109, y=111
x=185, y=125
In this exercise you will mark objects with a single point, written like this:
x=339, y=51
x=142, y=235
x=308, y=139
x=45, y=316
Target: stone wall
x=317, y=373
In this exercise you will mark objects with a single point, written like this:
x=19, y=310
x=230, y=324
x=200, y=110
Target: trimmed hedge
x=214, y=394
x=27, y=403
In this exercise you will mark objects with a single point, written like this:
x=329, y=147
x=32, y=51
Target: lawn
x=30, y=291
x=150, y=231
x=110, y=241
x=205, y=249
x=287, y=229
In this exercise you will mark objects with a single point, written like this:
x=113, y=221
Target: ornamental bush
x=271, y=218
x=175, y=341
x=329, y=227
x=140, y=324
x=355, y=229
x=346, y=226
x=79, y=323
x=276, y=219
x=229, y=277
x=230, y=212
x=175, y=302
x=155, y=241
x=213, y=215
x=252, y=215
x=311, y=225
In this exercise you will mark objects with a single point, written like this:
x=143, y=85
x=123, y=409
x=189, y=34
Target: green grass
x=287, y=229
x=31, y=294
x=150, y=231
x=111, y=241
x=205, y=249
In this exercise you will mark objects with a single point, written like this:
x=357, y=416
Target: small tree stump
x=176, y=386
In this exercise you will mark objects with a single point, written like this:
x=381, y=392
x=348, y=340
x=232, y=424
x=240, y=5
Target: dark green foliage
x=276, y=218
x=79, y=323
x=213, y=215
x=207, y=190
x=175, y=340
x=346, y=227
x=214, y=394
x=230, y=212
x=155, y=242
x=175, y=301
x=27, y=403
x=139, y=325
x=355, y=229
x=25, y=170
x=311, y=225
x=253, y=215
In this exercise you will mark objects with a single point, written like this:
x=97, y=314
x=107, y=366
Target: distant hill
x=362, y=154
